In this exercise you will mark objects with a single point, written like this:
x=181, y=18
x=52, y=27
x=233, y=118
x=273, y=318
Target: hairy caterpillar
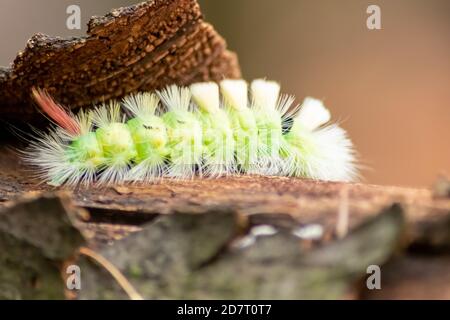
x=181, y=132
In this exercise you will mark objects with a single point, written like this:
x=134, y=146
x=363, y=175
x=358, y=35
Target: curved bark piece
x=142, y=47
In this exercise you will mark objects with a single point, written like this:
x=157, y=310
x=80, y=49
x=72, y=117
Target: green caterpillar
x=182, y=132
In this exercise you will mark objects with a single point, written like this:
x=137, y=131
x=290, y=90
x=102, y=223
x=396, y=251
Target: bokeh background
x=390, y=88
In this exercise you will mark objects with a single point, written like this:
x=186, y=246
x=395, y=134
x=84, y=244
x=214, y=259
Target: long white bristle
x=141, y=105
x=335, y=158
x=206, y=96
x=265, y=93
x=48, y=154
x=84, y=120
x=176, y=98
x=235, y=93
x=286, y=107
x=106, y=114
x=313, y=114
x=147, y=171
x=115, y=172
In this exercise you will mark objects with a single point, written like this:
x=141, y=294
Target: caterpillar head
x=319, y=150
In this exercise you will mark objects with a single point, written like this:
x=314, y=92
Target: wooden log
x=138, y=48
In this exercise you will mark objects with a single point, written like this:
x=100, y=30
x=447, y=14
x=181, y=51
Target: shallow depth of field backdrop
x=390, y=87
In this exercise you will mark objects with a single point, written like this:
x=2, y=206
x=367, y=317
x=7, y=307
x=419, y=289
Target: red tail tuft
x=56, y=112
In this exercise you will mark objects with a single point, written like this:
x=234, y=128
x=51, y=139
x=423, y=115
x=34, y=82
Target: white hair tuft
x=265, y=94
x=176, y=98
x=235, y=93
x=206, y=96
x=313, y=114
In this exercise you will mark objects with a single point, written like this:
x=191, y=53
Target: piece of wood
x=283, y=203
x=188, y=256
x=138, y=48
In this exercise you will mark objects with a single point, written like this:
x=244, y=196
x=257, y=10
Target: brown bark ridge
x=138, y=48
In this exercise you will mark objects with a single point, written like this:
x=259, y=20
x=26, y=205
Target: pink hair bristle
x=56, y=112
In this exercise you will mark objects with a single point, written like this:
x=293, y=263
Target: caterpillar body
x=206, y=130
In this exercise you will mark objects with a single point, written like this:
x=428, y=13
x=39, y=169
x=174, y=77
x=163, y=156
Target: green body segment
x=185, y=138
x=117, y=143
x=150, y=138
x=84, y=155
x=245, y=132
x=184, y=133
x=218, y=138
x=207, y=128
x=270, y=132
x=298, y=149
x=86, y=149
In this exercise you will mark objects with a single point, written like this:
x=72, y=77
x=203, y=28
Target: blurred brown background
x=390, y=87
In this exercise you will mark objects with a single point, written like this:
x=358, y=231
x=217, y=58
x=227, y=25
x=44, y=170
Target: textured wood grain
x=142, y=47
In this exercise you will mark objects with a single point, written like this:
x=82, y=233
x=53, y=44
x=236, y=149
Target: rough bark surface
x=139, y=48
x=153, y=226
